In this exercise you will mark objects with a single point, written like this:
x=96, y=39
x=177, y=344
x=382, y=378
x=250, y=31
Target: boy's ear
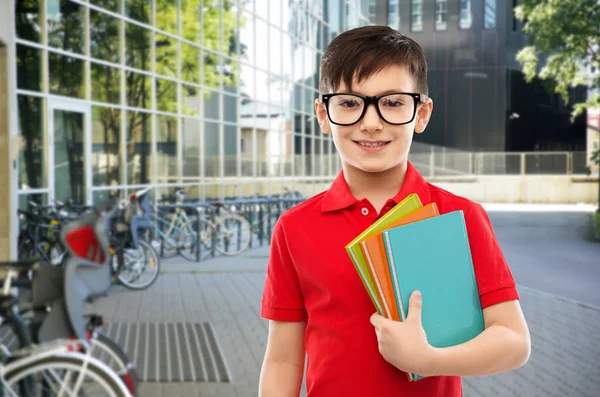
x=423, y=115
x=322, y=116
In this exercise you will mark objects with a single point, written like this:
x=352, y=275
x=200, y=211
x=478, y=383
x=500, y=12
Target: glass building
x=108, y=96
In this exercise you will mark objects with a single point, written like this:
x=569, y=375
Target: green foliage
x=566, y=31
x=567, y=34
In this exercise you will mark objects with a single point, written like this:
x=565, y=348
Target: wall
x=538, y=189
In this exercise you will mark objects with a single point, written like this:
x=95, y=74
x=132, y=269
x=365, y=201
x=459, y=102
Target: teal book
x=433, y=256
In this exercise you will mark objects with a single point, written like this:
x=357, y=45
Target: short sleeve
x=282, y=298
x=494, y=278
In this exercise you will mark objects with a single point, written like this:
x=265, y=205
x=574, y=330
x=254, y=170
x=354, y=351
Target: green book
x=409, y=204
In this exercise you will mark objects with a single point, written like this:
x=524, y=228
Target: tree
x=566, y=33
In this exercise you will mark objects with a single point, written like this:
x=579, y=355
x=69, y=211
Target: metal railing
x=440, y=161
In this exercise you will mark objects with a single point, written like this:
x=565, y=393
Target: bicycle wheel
x=187, y=239
x=233, y=234
x=65, y=375
x=110, y=353
x=140, y=270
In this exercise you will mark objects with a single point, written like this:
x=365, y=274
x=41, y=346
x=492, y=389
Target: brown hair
x=364, y=51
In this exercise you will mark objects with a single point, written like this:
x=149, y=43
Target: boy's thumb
x=415, y=305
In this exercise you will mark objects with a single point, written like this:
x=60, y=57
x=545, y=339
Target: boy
x=375, y=85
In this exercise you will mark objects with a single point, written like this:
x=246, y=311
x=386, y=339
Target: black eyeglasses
x=396, y=108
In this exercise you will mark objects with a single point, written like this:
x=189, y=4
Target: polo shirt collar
x=339, y=196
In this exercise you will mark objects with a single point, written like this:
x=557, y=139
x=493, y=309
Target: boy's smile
x=372, y=145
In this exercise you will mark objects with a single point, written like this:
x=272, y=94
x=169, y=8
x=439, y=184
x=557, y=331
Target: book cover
x=434, y=257
x=374, y=253
x=403, y=208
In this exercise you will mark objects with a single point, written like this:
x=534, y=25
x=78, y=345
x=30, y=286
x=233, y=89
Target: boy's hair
x=364, y=51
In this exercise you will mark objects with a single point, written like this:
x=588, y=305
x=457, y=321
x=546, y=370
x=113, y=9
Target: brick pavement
x=226, y=292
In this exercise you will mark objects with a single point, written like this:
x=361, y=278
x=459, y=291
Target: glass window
x=66, y=76
x=393, y=15
x=29, y=68
x=416, y=11
x=262, y=31
x=275, y=51
x=190, y=63
x=65, y=25
x=139, y=10
x=230, y=149
x=212, y=104
x=441, y=14
x=166, y=95
x=211, y=68
x=104, y=37
x=138, y=47
x=111, y=5
x=466, y=17
x=139, y=148
x=106, y=84
x=190, y=137
x=27, y=19
x=166, y=16
x=211, y=150
x=190, y=20
x=166, y=55
x=490, y=14
x=210, y=20
x=139, y=90
x=32, y=154
x=167, y=145
x=106, y=146
x=190, y=100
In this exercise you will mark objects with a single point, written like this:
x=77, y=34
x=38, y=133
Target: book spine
x=388, y=312
x=363, y=278
x=392, y=266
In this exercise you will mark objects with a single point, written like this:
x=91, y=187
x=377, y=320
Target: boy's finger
x=376, y=320
x=415, y=305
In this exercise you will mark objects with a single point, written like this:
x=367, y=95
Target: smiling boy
x=373, y=98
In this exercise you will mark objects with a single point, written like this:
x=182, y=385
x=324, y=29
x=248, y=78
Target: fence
x=440, y=161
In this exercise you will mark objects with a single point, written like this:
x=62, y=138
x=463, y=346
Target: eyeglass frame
x=368, y=100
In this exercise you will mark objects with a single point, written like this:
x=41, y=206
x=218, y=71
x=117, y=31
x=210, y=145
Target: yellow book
x=409, y=204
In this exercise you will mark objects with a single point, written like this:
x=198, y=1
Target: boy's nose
x=371, y=119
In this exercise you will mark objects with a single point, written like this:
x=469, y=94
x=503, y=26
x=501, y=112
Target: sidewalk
x=226, y=292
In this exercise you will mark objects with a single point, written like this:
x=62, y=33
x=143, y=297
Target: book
x=374, y=253
x=434, y=257
x=403, y=208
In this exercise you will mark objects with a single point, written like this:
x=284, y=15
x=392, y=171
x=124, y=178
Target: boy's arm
x=283, y=366
x=504, y=345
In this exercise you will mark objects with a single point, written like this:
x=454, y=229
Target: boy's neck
x=377, y=187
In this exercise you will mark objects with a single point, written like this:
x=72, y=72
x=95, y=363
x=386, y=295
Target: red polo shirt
x=311, y=278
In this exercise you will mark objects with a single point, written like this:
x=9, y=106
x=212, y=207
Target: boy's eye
x=392, y=102
x=348, y=103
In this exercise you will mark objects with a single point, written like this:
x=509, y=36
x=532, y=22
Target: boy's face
x=372, y=130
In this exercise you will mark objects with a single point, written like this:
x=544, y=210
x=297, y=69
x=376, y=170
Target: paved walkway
x=226, y=292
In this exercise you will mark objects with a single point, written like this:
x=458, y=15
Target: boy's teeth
x=371, y=144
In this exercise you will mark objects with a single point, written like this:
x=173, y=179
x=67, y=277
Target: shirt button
x=365, y=211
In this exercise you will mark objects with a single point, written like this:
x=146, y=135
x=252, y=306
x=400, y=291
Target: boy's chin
x=376, y=168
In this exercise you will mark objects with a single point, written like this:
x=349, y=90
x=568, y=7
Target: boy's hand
x=404, y=344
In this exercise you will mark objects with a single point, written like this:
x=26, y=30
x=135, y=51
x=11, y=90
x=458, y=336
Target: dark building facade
x=481, y=100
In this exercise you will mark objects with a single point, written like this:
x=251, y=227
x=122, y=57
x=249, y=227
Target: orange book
x=376, y=258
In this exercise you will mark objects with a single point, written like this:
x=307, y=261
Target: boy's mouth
x=372, y=144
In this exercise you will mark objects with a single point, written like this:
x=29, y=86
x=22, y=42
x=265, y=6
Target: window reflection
x=139, y=90
x=211, y=150
x=27, y=19
x=167, y=144
x=66, y=75
x=65, y=25
x=106, y=84
x=139, y=148
x=138, y=47
x=29, y=68
x=138, y=10
x=32, y=153
x=191, y=149
x=106, y=146
x=104, y=37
